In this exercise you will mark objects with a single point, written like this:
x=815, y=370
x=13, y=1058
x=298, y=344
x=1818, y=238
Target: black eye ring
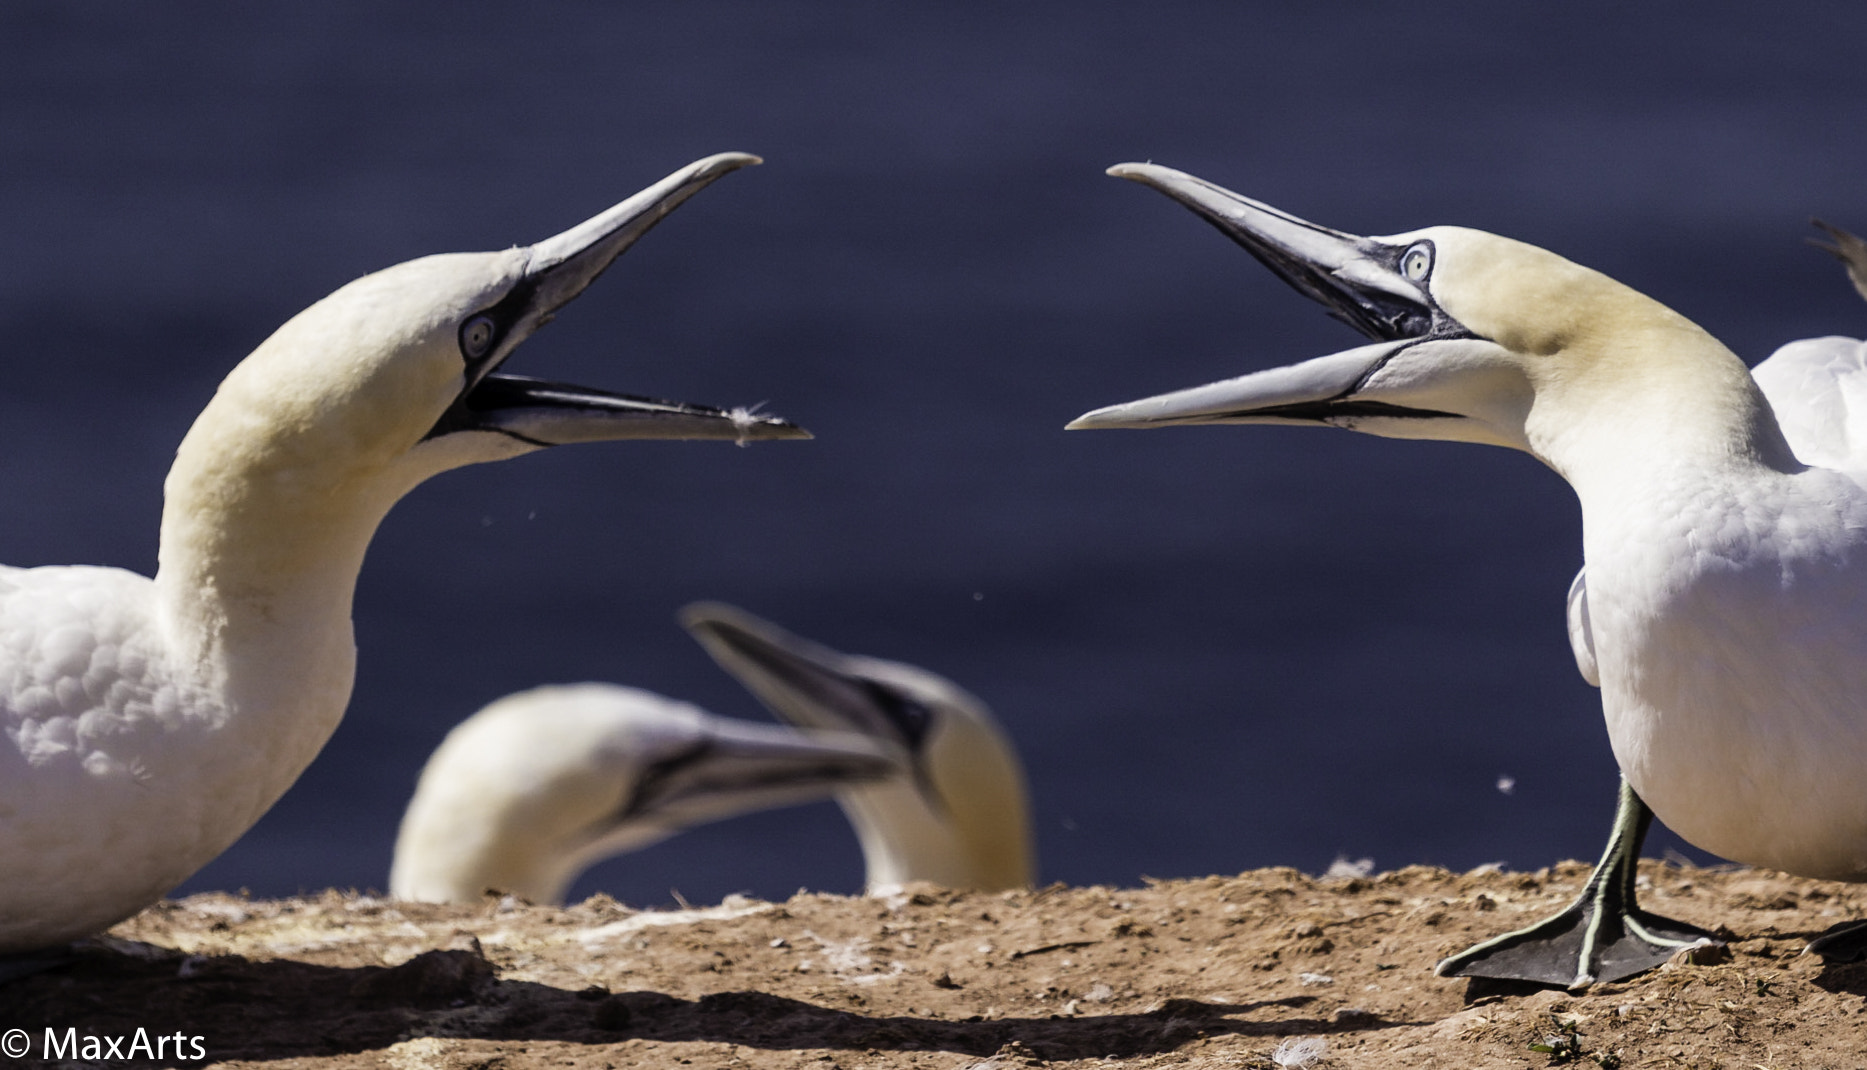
x=477, y=336
x=1417, y=262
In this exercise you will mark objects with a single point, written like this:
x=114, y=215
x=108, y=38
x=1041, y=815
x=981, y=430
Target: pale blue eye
x=476, y=337
x=1417, y=262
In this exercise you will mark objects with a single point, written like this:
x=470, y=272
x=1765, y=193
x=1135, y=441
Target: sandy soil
x=1267, y=969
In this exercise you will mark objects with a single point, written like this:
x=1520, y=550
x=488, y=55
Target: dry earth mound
x=1267, y=969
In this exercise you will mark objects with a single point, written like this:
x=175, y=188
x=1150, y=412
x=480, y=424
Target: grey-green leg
x=1602, y=936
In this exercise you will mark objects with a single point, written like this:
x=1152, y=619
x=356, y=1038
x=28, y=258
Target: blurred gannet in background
x=535, y=788
x=1720, y=609
x=150, y=723
x=960, y=819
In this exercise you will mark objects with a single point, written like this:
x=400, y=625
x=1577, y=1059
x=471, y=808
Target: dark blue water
x=1217, y=648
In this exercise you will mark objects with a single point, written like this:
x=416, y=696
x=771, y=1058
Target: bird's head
x=539, y=785
x=1476, y=338
x=959, y=815
x=395, y=376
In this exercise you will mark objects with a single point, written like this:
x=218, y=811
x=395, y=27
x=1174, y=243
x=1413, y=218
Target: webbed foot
x=1602, y=936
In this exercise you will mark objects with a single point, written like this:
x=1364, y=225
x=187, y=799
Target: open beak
x=1372, y=284
x=559, y=268
x=1316, y=391
x=803, y=682
x=1358, y=279
x=740, y=766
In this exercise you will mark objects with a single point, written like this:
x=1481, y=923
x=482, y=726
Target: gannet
x=960, y=819
x=150, y=722
x=527, y=793
x=1719, y=609
x=535, y=788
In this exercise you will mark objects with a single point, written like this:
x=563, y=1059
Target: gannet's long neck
x=260, y=552
x=255, y=599
x=903, y=839
x=1677, y=401
x=1621, y=387
x=1719, y=600
x=1626, y=391
x=962, y=823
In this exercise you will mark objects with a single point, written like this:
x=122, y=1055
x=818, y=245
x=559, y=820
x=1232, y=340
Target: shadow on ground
x=272, y=1009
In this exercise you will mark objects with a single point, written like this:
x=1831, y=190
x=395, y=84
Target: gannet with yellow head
x=959, y=817
x=1720, y=608
x=148, y=723
x=526, y=794
x=535, y=788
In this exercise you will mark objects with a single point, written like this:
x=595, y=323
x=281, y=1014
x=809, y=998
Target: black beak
x=1360, y=280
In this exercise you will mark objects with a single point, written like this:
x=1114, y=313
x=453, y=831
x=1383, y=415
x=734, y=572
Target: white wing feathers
x=1818, y=389
x=1818, y=386
x=78, y=682
x=1581, y=632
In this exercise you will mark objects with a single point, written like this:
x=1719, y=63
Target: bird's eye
x=1416, y=262
x=903, y=712
x=476, y=336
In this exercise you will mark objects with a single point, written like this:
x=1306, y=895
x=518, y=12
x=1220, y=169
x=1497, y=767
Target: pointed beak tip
x=1096, y=420
x=698, y=614
x=1147, y=174
x=774, y=431
x=775, y=427
x=720, y=163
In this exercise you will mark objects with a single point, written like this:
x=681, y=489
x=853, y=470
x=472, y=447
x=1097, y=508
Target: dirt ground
x=1269, y=969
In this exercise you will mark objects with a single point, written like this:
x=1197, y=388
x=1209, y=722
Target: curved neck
x=1653, y=409
x=903, y=839
x=258, y=563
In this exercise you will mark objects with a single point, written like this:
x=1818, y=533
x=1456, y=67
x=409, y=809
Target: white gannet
x=148, y=723
x=1721, y=606
x=960, y=819
x=537, y=787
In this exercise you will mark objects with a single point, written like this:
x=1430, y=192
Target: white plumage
x=148, y=723
x=960, y=817
x=1724, y=577
x=538, y=786
x=1818, y=389
x=1722, y=608
x=530, y=791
